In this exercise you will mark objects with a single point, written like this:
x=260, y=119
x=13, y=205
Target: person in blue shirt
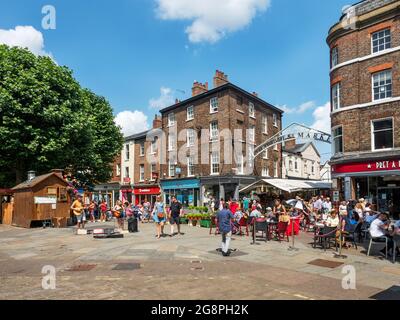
x=225, y=217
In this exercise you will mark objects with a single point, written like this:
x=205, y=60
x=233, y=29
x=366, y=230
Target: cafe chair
x=380, y=240
x=281, y=231
x=325, y=236
x=243, y=223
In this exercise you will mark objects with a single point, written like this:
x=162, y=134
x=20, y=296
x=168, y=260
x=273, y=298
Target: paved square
x=181, y=267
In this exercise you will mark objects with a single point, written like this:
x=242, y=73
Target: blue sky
x=141, y=54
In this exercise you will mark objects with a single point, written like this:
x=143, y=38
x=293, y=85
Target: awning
x=290, y=185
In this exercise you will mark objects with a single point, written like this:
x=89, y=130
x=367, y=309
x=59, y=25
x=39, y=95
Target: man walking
x=225, y=217
x=175, y=213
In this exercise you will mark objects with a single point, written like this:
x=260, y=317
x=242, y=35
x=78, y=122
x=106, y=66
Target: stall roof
x=290, y=185
x=31, y=183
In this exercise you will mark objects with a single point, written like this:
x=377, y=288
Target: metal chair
x=244, y=223
x=379, y=240
x=281, y=230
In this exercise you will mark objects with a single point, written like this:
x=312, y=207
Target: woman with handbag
x=159, y=216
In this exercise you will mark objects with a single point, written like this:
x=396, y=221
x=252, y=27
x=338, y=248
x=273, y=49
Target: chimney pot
x=31, y=175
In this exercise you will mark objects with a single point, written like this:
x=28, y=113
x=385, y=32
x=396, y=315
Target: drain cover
x=197, y=269
x=82, y=267
x=127, y=266
x=195, y=261
x=326, y=263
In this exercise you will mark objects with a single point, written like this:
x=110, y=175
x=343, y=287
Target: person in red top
x=234, y=206
x=103, y=210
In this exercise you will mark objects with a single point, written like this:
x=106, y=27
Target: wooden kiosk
x=42, y=199
x=6, y=207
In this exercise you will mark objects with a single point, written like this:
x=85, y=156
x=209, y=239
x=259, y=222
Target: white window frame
x=388, y=71
x=335, y=92
x=240, y=164
x=127, y=172
x=127, y=152
x=171, y=142
x=153, y=146
x=290, y=165
x=152, y=171
x=214, y=132
x=141, y=173
x=275, y=120
x=190, y=166
x=252, y=110
x=252, y=134
x=265, y=123
x=142, y=148
x=276, y=173
x=214, y=105
x=373, y=134
x=334, y=57
x=118, y=170
x=384, y=37
x=171, y=168
x=189, y=113
x=265, y=172
x=190, y=137
x=215, y=165
x=333, y=138
x=265, y=154
x=171, y=119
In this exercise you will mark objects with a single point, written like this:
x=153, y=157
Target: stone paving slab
x=265, y=271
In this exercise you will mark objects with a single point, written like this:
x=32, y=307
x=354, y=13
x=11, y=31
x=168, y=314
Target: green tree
x=48, y=121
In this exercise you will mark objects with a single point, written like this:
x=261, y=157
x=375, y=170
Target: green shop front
x=187, y=191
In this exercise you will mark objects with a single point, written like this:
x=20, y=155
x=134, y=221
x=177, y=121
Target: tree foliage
x=48, y=121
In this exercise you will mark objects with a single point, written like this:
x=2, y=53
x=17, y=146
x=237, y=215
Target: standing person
x=103, y=211
x=175, y=213
x=159, y=216
x=92, y=207
x=212, y=205
x=224, y=219
x=78, y=210
x=146, y=211
x=118, y=212
x=246, y=204
x=279, y=211
x=221, y=204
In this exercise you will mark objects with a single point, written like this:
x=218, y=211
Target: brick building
x=365, y=101
x=208, y=137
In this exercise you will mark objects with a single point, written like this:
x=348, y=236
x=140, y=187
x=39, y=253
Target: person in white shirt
x=332, y=220
x=379, y=228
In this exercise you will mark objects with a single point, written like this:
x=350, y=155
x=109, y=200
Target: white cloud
x=322, y=118
x=300, y=109
x=24, y=37
x=211, y=19
x=132, y=122
x=165, y=100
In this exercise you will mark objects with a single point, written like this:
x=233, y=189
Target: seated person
x=332, y=220
x=343, y=208
x=269, y=214
x=255, y=213
x=238, y=216
x=380, y=228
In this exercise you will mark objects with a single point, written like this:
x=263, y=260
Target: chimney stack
x=255, y=94
x=157, y=122
x=31, y=175
x=199, y=88
x=220, y=79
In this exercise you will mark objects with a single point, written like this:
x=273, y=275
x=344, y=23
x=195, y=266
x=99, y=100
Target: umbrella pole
x=292, y=247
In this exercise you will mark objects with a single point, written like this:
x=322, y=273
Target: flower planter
x=184, y=221
x=205, y=223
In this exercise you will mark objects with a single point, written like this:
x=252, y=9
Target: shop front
x=187, y=191
x=146, y=194
x=377, y=181
x=106, y=192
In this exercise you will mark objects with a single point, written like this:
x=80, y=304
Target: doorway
x=389, y=201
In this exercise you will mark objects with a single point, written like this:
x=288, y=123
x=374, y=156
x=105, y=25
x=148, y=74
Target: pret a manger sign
x=371, y=166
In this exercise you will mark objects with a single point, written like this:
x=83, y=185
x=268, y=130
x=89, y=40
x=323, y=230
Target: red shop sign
x=146, y=191
x=372, y=166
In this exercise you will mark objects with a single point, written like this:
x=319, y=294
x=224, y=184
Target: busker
x=78, y=210
x=175, y=213
x=224, y=219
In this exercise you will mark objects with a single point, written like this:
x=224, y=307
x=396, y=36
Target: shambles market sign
x=371, y=166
